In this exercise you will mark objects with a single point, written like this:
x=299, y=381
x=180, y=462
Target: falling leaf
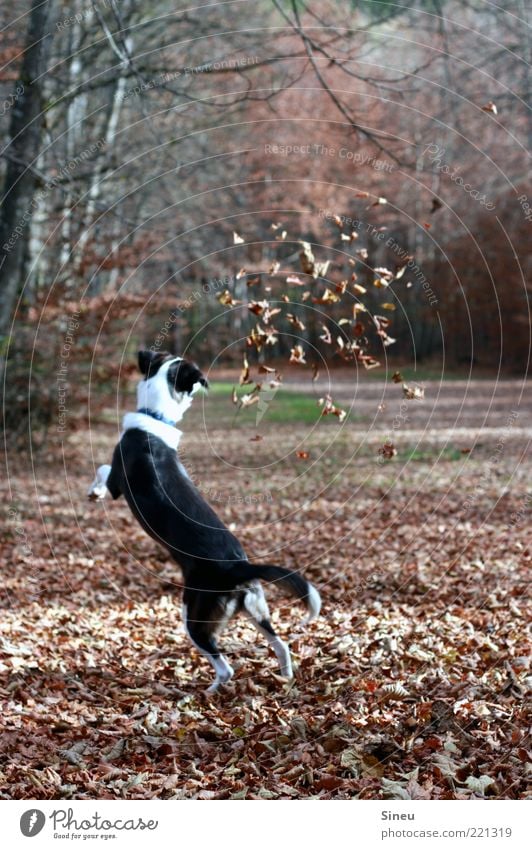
x=261, y=336
x=227, y=300
x=306, y=258
x=326, y=335
x=321, y=268
x=388, y=450
x=297, y=355
x=384, y=272
x=490, y=107
x=328, y=297
x=244, y=374
x=436, y=205
x=258, y=307
x=237, y=240
x=388, y=306
x=249, y=399
x=329, y=408
x=269, y=313
x=256, y=438
x=413, y=392
x=309, y=264
x=397, y=377
x=296, y=322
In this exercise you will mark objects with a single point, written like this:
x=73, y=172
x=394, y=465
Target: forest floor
x=411, y=685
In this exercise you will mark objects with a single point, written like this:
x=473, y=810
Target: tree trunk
x=17, y=205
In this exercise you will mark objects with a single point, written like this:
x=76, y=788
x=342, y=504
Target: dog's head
x=181, y=375
x=169, y=383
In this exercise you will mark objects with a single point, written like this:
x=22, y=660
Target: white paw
x=221, y=679
x=97, y=491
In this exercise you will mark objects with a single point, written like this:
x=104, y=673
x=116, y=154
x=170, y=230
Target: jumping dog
x=219, y=579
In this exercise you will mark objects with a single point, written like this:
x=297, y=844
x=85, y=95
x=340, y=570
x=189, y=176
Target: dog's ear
x=184, y=376
x=151, y=361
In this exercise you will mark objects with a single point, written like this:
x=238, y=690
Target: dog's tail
x=292, y=582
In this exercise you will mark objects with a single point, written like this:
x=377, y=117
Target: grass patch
x=428, y=454
x=283, y=407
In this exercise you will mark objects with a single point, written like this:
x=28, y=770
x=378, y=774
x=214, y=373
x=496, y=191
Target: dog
x=219, y=580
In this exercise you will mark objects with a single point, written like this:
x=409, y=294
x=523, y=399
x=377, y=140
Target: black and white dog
x=219, y=579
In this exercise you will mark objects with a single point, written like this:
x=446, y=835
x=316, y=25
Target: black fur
x=172, y=511
x=219, y=579
x=182, y=376
x=216, y=571
x=151, y=361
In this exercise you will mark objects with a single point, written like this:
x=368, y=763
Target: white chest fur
x=170, y=435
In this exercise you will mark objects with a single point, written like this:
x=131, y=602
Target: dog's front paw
x=98, y=489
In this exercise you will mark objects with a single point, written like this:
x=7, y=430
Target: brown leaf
x=388, y=450
x=297, y=355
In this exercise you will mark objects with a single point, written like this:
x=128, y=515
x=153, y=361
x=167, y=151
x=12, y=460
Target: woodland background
x=149, y=128
x=161, y=164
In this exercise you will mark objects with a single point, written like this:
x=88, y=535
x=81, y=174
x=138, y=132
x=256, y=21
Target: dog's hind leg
x=256, y=609
x=202, y=636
